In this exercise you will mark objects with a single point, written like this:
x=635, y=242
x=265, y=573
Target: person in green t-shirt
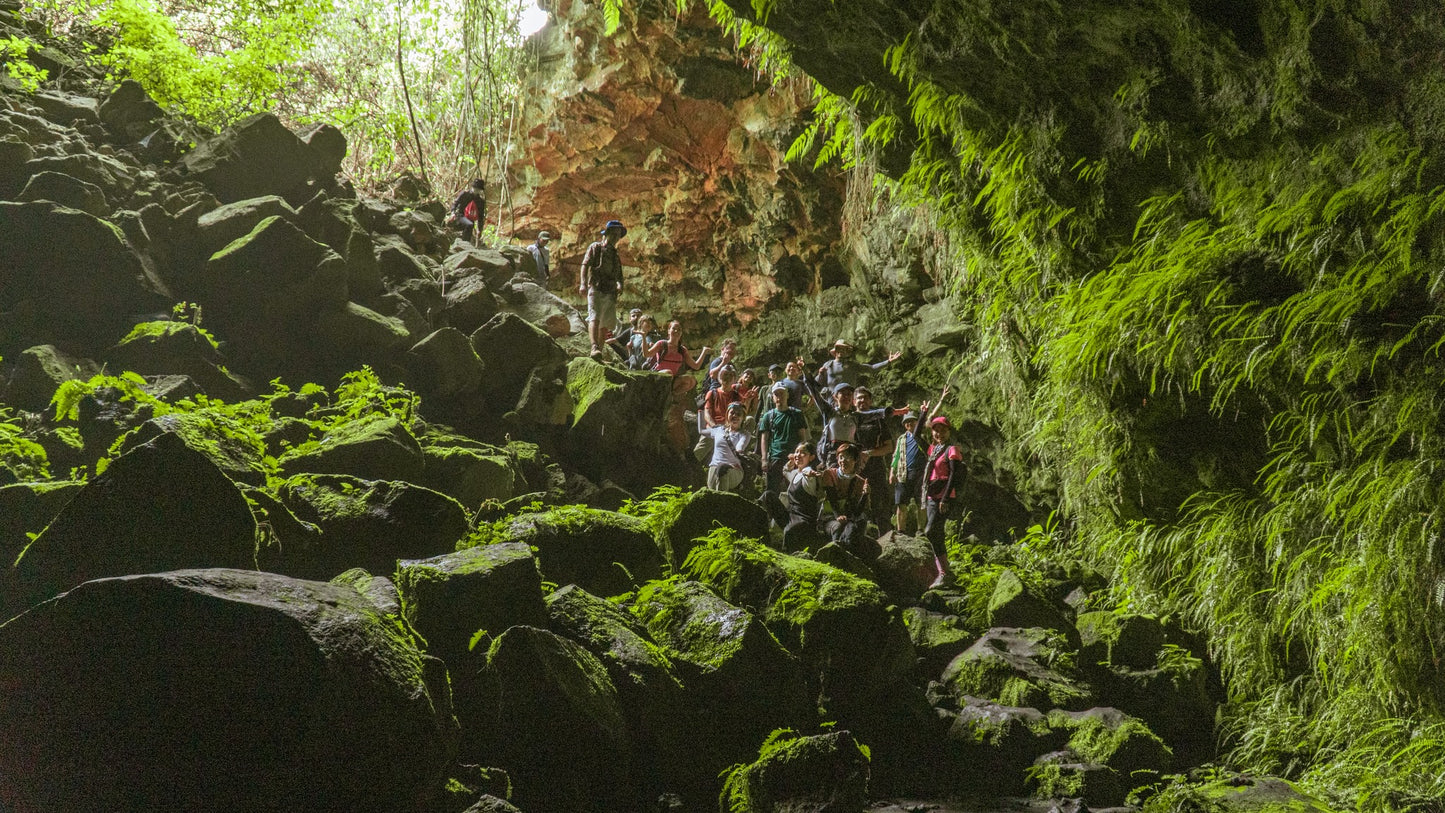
x=779, y=430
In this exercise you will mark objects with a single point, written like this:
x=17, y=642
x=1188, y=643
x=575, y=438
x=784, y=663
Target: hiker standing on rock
x=542, y=257
x=941, y=473
x=468, y=208
x=670, y=356
x=843, y=367
x=601, y=281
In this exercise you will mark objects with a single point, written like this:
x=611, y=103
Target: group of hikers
x=856, y=481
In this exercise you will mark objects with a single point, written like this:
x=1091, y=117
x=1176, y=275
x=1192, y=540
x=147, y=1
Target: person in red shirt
x=941, y=476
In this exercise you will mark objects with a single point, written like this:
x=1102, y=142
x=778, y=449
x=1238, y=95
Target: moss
x=331, y=500
x=587, y=383
x=240, y=243
x=690, y=622
x=151, y=332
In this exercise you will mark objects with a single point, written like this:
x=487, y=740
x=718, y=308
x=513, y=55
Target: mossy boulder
x=236, y=450
x=469, y=475
x=379, y=590
x=25, y=508
x=229, y=690
x=469, y=304
x=217, y=228
x=649, y=687
x=617, y=417
x=1119, y=639
x=176, y=348
x=1061, y=775
x=603, y=552
x=1108, y=736
x=741, y=683
x=1019, y=667
x=992, y=746
x=1013, y=604
x=362, y=523
x=66, y=191
x=551, y=717
x=692, y=516
x=450, y=597
x=377, y=447
x=937, y=637
x=352, y=335
x=160, y=506
x=1173, y=698
x=825, y=773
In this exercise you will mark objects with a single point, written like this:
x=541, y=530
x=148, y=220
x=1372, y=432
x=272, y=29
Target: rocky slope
x=224, y=594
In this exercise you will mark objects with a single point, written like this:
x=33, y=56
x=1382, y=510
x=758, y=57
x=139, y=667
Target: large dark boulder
x=256, y=157
x=703, y=511
x=273, y=278
x=39, y=372
x=67, y=278
x=160, y=506
x=449, y=598
x=469, y=475
x=741, y=683
x=66, y=191
x=218, y=690
x=469, y=304
x=217, y=228
x=129, y=111
x=603, y=552
x=550, y=716
x=825, y=773
x=369, y=524
x=444, y=366
x=176, y=348
x=378, y=447
x=514, y=351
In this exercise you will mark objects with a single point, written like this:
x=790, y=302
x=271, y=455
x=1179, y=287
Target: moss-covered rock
x=363, y=523
x=471, y=476
x=1106, y=736
x=377, y=447
x=236, y=449
x=1119, y=639
x=513, y=351
x=39, y=371
x=825, y=773
x=160, y=506
x=937, y=638
x=617, y=423
x=231, y=690
x=1018, y=667
x=1173, y=698
x=1061, y=775
x=451, y=597
x=649, y=687
x=221, y=226
x=379, y=590
x=690, y=516
x=741, y=683
x=992, y=746
x=1013, y=604
x=603, y=552
x=551, y=717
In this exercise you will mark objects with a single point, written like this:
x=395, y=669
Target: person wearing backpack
x=601, y=281
x=942, y=473
x=468, y=208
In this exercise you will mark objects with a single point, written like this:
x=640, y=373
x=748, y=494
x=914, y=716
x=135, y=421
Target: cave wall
x=664, y=126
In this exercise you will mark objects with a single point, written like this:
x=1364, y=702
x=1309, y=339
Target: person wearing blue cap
x=601, y=281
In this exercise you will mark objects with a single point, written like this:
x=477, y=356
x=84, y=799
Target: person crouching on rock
x=729, y=442
x=846, y=494
x=468, y=208
x=601, y=281
x=942, y=473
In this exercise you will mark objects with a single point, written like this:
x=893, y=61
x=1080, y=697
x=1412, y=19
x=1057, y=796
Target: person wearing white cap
x=780, y=430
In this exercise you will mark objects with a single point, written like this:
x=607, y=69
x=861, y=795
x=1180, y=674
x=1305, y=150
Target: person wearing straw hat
x=843, y=367
x=601, y=282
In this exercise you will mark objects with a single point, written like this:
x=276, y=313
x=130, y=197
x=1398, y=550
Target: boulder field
x=303, y=506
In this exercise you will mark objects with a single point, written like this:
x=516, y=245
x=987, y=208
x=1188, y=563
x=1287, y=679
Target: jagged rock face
x=664, y=127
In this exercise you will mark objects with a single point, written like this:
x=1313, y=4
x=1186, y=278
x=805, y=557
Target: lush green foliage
x=13, y=52
x=1202, y=251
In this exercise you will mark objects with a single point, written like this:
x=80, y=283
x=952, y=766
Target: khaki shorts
x=602, y=308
